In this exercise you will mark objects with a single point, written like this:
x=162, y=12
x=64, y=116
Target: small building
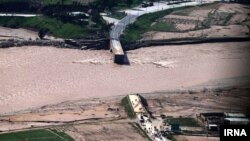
x=236, y=121
x=212, y=118
x=213, y=127
x=234, y=115
x=206, y=116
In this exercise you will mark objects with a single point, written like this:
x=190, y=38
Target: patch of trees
x=51, y=9
x=36, y=6
x=42, y=33
x=19, y=6
x=93, y=23
x=129, y=2
x=80, y=19
x=109, y=4
x=61, y=12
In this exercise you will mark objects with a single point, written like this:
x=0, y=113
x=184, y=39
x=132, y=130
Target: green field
x=36, y=135
x=55, y=27
x=164, y=27
x=128, y=107
x=182, y=121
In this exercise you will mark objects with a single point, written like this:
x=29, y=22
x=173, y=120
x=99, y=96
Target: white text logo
x=235, y=132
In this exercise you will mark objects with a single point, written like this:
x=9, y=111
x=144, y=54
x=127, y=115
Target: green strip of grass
x=127, y=105
x=66, y=2
x=38, y=135
x=54, y=26
x=164, y=27
x=63, y=135
x=183, y=121
x=227, y=19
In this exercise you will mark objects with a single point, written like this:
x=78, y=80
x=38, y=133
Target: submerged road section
x=132, y=15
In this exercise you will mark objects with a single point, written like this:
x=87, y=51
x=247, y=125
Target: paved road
x=133, y=14
x=121, y=25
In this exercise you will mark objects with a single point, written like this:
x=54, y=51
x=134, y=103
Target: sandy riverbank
x=21, y=34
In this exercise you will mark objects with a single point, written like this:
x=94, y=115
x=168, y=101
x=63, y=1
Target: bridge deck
x=118, y=53
x=116, y=47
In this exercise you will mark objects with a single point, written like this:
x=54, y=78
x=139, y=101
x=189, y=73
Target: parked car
x=144, y=5
x=147, y=4
x=151, y=4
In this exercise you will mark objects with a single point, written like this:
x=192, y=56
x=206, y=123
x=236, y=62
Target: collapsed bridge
x=132, y=15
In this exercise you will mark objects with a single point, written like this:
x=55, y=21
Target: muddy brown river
x=36, y=76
